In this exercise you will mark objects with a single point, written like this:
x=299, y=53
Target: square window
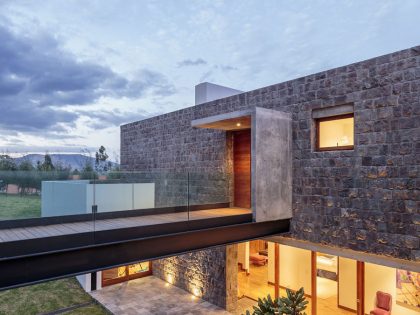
x=335, y=133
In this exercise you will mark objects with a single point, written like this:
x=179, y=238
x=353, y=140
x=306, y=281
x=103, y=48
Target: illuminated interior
x=138, y=268
x=335, y=133
x=125, y=273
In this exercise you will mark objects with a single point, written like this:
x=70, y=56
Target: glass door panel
x=114, y=275
x=125, y=273
x=138, y=268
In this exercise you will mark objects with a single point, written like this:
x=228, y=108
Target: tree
x=7, y=163
x=47, y=165
x=100, y=160
x=87, y=171
x=75, y=172
x=7, y=170
x=26, y=165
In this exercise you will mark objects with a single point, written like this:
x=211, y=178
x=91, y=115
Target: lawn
x=47, y=297
x=19, y=207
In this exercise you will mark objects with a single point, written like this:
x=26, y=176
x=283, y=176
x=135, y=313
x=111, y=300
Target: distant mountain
x=74, y=161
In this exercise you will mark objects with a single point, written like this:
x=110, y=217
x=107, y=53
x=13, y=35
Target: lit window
x=335, y=133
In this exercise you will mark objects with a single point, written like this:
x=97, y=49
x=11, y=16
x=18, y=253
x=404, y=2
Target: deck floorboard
x=18, y=234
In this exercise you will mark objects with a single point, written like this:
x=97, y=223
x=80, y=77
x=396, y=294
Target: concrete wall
x=271, y=165
x=85, y=281
x=364, y=199
x=77, y=197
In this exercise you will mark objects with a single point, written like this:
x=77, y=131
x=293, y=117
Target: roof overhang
x=238, y=120
x=372, y=258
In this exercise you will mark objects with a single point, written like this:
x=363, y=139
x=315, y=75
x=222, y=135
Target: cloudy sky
x=73, y=71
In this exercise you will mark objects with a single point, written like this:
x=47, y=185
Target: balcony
x=54, y=224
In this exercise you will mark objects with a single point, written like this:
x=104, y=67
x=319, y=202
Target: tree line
x=27, y=176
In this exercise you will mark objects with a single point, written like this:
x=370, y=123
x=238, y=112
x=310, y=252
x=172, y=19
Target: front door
x=125, y=273
x=242, y=168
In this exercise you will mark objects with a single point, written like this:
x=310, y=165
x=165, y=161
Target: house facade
x=354, y=169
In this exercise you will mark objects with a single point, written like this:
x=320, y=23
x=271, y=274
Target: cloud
x=23, y=149
x=190, y=62
x=227, y=68
x=107, y=118
x=207, y=76
x=38, y=78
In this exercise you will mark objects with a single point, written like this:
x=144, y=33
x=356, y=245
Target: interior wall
x=381, y=278
x=347, y=283
x=243, y=255
x=256, y=246
x=295, y=267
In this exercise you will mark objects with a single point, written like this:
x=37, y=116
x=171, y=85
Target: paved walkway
x=151, y=295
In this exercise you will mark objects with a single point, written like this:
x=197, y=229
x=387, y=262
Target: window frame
x=337, y=148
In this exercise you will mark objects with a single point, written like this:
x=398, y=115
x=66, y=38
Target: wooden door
x=242, y=168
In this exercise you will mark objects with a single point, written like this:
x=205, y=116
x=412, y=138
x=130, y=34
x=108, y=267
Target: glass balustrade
x=58, y=210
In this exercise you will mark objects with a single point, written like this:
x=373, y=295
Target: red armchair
x=382, y=304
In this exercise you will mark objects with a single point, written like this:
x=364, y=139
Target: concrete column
x=271, y=165
x=231, y=277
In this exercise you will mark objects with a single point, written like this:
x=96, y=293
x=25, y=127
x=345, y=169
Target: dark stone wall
x=366, y=199
x=201, y=273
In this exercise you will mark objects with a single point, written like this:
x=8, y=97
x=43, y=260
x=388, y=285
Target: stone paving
x=151, y=295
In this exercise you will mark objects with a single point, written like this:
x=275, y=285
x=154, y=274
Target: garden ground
x=19, y=207
x=49, y=297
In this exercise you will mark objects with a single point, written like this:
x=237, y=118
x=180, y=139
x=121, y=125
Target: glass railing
x=90, y=208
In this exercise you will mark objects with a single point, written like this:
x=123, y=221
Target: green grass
x=19, y=207
x=48, y=297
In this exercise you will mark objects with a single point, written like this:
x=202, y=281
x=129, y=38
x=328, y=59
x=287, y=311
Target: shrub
x=292, y=304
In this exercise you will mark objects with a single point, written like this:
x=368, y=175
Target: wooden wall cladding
x=242, y=168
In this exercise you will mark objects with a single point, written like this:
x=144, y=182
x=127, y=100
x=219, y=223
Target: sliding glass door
x=125, y=273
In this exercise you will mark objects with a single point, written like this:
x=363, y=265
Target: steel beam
x=25, y=270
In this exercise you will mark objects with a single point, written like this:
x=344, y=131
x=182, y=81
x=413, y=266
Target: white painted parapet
x=207, y=92
x=77, y=197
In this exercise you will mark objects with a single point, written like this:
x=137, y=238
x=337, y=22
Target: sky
x=73, y=71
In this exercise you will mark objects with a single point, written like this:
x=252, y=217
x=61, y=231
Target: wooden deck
x=35, y=232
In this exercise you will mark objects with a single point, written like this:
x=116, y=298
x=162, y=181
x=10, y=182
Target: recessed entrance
x=242, y=168
x=269, y=134
x=125, y=273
